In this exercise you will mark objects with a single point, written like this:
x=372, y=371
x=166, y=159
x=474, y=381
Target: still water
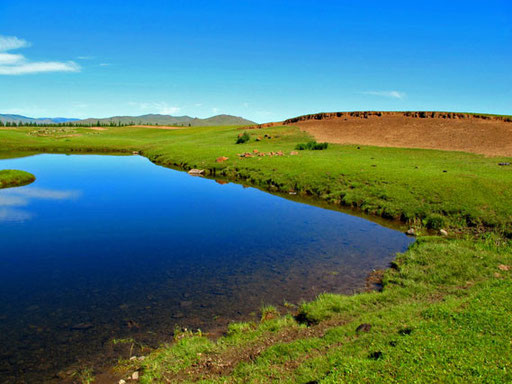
x=107, y=247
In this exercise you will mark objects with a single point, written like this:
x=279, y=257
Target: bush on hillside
x=312, y=145
x=244, y=138
x=435, y=221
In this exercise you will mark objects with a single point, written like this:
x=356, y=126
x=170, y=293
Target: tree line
x=77, y=124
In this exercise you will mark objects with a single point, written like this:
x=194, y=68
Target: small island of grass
x=15, y=178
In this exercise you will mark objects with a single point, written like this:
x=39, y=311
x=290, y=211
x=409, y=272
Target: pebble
x=122, y=381
x=411, y=232
x=442, y=232
x=135, y=375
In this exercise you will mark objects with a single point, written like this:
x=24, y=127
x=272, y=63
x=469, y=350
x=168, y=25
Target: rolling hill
x=150, y=119
x=9, y=118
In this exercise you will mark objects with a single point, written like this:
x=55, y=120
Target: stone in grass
x=194, y=171
x=411, y=232
x=365, y=327
x=442, y=232
x=221, y=159
x=135, y=375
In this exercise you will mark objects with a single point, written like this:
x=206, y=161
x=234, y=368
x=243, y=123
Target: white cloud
x=39, y=67
x=391, y=94
x=104, y=64
x=157, y=107
x=215, y=110
x=85, y=57
x=10, y=58
x=170, y=110
x=8, y=43
x=17, y=64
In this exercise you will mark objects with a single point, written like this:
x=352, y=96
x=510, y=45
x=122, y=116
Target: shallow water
x=104, y=247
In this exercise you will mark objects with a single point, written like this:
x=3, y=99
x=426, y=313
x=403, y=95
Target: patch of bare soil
x=157, y=126
x=487, y=135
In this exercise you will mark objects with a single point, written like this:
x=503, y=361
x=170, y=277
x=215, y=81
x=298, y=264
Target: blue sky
x=264, y=60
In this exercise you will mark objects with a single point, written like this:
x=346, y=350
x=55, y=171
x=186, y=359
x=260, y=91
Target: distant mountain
x=41, y=120
x=152, y=119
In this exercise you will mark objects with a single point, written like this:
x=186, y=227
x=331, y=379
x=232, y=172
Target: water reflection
x=104, y=247
x=13, y=198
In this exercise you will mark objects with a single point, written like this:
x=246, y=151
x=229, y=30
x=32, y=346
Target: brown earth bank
x=157, y=126
x=489, y=135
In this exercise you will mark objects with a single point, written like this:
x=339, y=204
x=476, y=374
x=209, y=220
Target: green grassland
x=14, y=178
x=470, y=191
x=444, y=312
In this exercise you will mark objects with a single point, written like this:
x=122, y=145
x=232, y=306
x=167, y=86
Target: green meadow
x=444, y=312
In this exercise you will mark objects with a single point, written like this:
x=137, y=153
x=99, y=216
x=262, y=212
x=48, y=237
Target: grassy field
x=444, y=312
x=469, y=191
x=14, y=178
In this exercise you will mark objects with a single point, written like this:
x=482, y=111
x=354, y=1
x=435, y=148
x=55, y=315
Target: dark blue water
x=104, y=247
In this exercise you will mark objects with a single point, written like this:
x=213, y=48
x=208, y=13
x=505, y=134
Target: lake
x=101, y=248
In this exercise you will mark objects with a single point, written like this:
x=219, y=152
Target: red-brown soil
x=157, y=126
x=483, y=134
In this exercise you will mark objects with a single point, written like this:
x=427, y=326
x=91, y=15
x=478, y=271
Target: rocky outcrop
x=419, y=114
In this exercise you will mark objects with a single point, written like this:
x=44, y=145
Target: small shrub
x=312, y=145
x=435, y=221
x=244, y=138
x=269, y=312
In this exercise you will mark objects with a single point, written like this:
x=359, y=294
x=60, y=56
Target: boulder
x=195, y=171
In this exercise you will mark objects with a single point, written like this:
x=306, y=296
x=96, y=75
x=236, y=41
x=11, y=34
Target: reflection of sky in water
x=106, y=240
x=11, y=199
